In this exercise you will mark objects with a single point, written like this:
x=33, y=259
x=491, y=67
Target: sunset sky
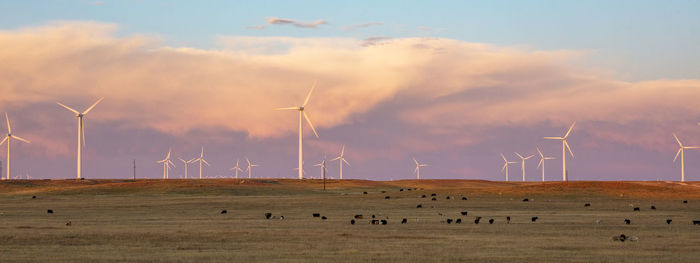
x=451, y=83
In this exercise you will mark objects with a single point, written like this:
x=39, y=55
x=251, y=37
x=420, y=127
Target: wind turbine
x=542, y=158
x=505, y=166
x=9, y=138
x=201, y=160
x=417, y=170
x=341, y=161
x=81, y=132
x=250, y=168
x=564, y=147
x=166, y=165
x=302, y=114
x=522, y=159
x=235, y=169
x=186, y=164
x=681, y=151
x=322, y=164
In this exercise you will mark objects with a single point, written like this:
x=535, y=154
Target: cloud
x=363, y=25
x=258, y=27
x=371, y=41
x=296, y=23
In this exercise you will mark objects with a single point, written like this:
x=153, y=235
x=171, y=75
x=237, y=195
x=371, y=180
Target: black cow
x=419, y=206
x=387, y=197
x=69, y=223
x=50, y=211
x=491, y=221
x=534, y=218
x=404, y=221
x=636, y=209
x=464, y=213
x=33, y=196
x=281, y=217
x=477, y=219
x=409, y=189
x=685, y=201
x=401, y=190
x=324, y=217
x=374, y=222
x=526, y=200
x=458, y=221
x=668, y=221
x=448, y=197
x=696, y=222
x=384, y=222
x=268, y=215
x=422, y=196
x=433, y=194
x=449, y=220
x=383, y=192
x=587, y=205
x=464, y=198
x=316, y=215
x=373, y=216
x=364, y=193
x=352, y=221
x=627, y=221
x=224, y=211
x=653, y=207
x=434, y=199
x=358, y=216
x=507, y=219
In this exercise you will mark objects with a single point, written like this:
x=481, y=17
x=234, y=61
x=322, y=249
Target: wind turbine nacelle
x=301, y=108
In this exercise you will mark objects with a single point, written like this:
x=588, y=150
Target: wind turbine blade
x=167, y=157
x=93, y=105
x=539, y=164
x=568, y=148
x=310, y=125
x=3, y=140
x=246, y=159
x=528, y=157
x=82, y=129
x=504, y=158
x=521, y=157
x=554, y=138
x=161, y=161
x=9, y=128
x=69, y=108
x=20, y=138
x=540, y=152
x=677, y=140
x=504, y=167
x=201, y=154
x=309, y=96
x=346, y=162
x=336, y=158
x=342, y=151
x=416, y=170
x=288, y=108
x=181, y=160
x=687, y=147
x=423, y=165
x=569, y=131
x=677, y=153
x=205, y=162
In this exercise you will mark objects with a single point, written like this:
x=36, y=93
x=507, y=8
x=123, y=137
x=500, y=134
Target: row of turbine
x=564, y=147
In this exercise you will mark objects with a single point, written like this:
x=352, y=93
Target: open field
x=180, y=220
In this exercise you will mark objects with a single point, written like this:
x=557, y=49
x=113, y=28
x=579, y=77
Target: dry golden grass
x=180, y=220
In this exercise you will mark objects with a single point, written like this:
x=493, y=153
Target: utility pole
x=134, y=169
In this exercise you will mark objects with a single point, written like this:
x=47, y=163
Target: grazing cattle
x=268, y=215
x=491, y=221
x=224, y=211
x=627, y=221
x=324, y=217
x=526, y=200
x=364, y=193
x=620, y=238
x=587, y=205
x=383, y=192
x=50, y=211
x=653, y=207
x=404, y=221
x=422, y=196
x=384, y=222
x=448, y=197
x=449, y=220
x=696, y=222
x=636, y=209
x=507, y=219
x=434, y=199
x=316, y=215
x=464, y=198
x=419, y=206
x=477, y=219
x=458, y=221
x=668, y=221
x=352, y=221
x=374, y=222
x=409, y=189
x=685, y=201
x=69, y=223
x=433, y=194
x=373, y=216
x=281, y=217
x=358, y=216
x=387, y=197
x=401, y=190
x=464, y=213
x=534, y=218
x=33, y=196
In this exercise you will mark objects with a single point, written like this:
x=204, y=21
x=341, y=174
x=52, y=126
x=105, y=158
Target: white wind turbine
x=522, y=165
x=302, y=115
x=417, y=170
x=341, y=161
x=250, y=168
x=201, y=160
x=542, y=158
x=81, y=132
x=186, y=164
x=236, y=169
x=681, y=151
x=9, y=138
x=166, y=165
x=322, y=164
x=505, y=166
x=564, y=147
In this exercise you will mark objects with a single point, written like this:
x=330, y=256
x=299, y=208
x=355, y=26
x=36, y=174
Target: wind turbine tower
x=564, y=147
x=9, y=138
x=302, y=115
x=235, y=169
x=186, y=164
x=341, y=161
x=542, y=158
x=417, y=170
x=81, y=132
x=201, y=161
x=250, y=168
x=166, y=165
x=522, y=159
x=505, y=166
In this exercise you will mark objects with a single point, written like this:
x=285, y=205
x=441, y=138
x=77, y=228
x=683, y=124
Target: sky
x=451, y=83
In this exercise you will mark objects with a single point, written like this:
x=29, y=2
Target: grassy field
x=180, y=221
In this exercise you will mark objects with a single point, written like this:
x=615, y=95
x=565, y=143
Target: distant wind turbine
x=522, y=165
x=322, y=164
x=250, y=168
x=81, y=132
x=302, y=114
x=542, y=158
x=9, y=138
x=505, y=166
x=186, y=164
x=341, y=161
x=236, y=169
x=201, y=161
x=166, y=165
x=417, y=170
x=681, y=151
x=564, y=147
